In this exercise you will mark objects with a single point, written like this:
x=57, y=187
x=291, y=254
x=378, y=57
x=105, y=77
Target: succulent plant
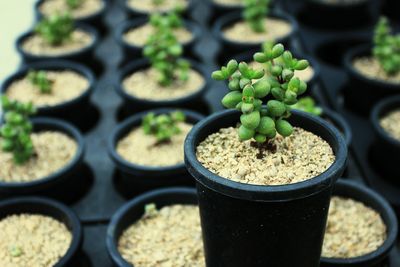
x=40, y=80
x=74, y=4
x=55, y=29
x=308, y=104
x=150, y=210
x=163, y=126
x=158, y=2
x=16, y=130
x=387, y=47
x=164, y=50
x=262, y=118
x=255, y=12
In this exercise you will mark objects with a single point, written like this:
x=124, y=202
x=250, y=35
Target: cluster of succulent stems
x=164, y=126
x=387, y=47
x=40, y=81
x=308, y=104
x=164, y=50
x=74, y=4
x=255, y=12
x=264, y=96
x=16, y=130
x=55, y=29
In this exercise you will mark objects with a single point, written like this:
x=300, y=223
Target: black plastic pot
x=230, y=48
x=371, y=90
x=132, y=52
x=76, y=110
x=391, y=8
x=373, y=200
x=386, y=148
x=133, y=104
x=134, y=13
x=335, y=16
x=85, y=55
x=277, y=226
x=56, y=210
x=95, y=20
x=134, y=178
x=53, y=184
x=339, y=122
x=134, y=210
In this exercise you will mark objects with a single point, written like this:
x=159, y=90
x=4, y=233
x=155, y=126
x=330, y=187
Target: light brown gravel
x=143, y=84
x=169, y=238
x=299, y=157
x=391, y=123
x=139, y=148
x=87, y=8
x=353, y=229
x=229, y=2
x=66, y=85
x=54, y=151
x=148, y=6
x=371, y=68
x=36, y=45
x=32, y=240
x=242, y=33
x=305, y=75
x=138, y=36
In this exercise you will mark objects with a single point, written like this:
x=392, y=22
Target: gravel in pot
x=361, y=228
x=28, y=222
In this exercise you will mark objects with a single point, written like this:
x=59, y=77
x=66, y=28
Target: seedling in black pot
x=255, y=12
x=74, y=4
x=55, y=29
x=39, y=79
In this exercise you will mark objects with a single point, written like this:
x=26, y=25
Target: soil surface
x=32, y=240
x=229, y=2
x=241, y=32
x=66, y=85
x=371, y=68
x=168, y=237
x=36, y=45
x=143, y=84
x=353, y=229
x=142, y=149
x=87, y=8
x=54, y=150
x=149, y=7
x=391, y=124
x=294, y=159
x=138, y=36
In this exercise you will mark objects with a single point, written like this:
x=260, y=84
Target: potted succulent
x=37, y=155
x=157, y=228
x=385, y=122
x=246, y=185
x=361, y=230
x=136, y=8
x=28, y=222
x=85, y=11
x=374, y=72
x=56, y=88
x=147, y=149
x=324, y=13
x=58, y=37
x=163, y=78
x=257, y=24
x=132, y=35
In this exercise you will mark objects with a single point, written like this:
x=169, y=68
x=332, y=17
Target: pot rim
x=263, y=193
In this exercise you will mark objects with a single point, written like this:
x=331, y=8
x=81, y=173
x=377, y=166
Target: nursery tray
x=95, y=196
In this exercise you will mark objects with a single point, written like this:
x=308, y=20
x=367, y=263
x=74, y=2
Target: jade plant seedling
x=308, y=105
x=16, y=130
x=387, y=47
x=163, y=126
x=164, y=51
x=74, y=4
x=55, y=29
x=263, y=118
x=39, y=79
x=255, y=12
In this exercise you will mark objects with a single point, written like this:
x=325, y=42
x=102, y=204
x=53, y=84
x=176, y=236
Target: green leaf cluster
x=163, y=126
x=164, y=50
x=16, y=130
x=387, y=47
x=40, y=80
x=158, y=2
x=308, y=104
x=255, y=12
x=55, y=29
x=74, y=4
x=263, y=96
